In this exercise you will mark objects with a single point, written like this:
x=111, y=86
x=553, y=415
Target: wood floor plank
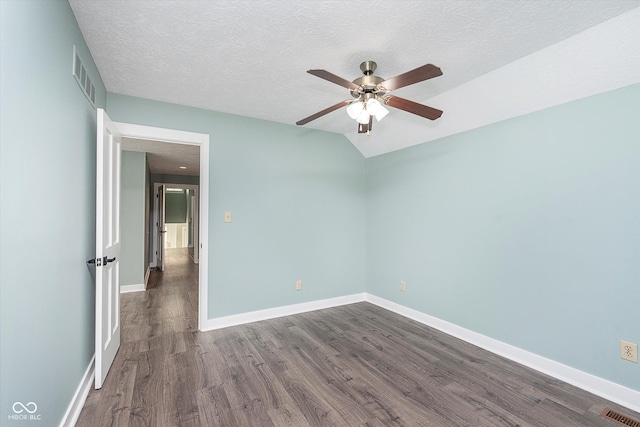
x=180, y=403
x=287, y=416
x=214, y=407
x=114, y=404
x=149, y=384
x=353, y=365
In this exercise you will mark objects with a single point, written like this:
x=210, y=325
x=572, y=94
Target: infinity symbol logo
x=22, y=407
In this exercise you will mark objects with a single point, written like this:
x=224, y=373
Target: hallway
x=158, y=327
x=168, y=307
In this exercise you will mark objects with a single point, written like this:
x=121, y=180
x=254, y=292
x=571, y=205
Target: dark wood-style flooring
x=355, y=365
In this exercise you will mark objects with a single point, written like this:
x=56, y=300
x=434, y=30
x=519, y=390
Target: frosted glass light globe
x=355, y=109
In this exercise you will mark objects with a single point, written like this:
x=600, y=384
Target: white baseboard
x=75, y=407
x=272, y=313
x=132, y=288
x=604, y=388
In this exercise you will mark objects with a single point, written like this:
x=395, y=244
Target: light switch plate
x=227, y=217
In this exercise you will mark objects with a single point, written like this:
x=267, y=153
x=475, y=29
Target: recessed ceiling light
x=182, y=167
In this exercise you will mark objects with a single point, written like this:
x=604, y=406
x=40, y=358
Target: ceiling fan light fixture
x=355, y=109
x=363, y=117
x=372, y=105
x=381, y=113
x=375, y=108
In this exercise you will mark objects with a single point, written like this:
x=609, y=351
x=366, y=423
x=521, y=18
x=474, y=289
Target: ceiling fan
x=370, y=92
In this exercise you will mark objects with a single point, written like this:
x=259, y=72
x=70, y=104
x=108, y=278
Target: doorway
x=171, y=136
x=176, y=221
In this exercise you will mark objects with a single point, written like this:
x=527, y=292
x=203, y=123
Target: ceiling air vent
x=619, y=418
x=83, y=79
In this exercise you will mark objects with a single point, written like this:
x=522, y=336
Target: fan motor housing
x=368, y=83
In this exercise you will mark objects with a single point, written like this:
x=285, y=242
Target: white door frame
x=196, y=219
x=159, y=219
x=128, y=130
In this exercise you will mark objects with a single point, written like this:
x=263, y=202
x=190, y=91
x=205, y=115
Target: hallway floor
x=157, y=327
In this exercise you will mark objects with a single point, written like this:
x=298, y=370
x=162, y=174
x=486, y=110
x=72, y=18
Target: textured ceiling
x=250, y=57
x=166, y=158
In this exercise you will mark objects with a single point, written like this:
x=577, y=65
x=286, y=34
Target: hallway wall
x=133, y=264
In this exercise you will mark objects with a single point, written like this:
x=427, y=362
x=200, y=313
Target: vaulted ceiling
x=250, y=57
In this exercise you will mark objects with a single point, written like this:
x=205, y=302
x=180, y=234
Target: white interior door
x=161, y=228
x=107, y=246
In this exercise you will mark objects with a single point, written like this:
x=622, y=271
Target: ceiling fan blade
x=323, y=112
x=413, y=107
x=425, y=72
x=324, y=74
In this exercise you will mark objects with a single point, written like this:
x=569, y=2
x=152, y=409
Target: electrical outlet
x=403, y=286
x=298, y=285
x=629, y=351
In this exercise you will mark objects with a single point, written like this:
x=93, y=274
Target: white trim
x=596, y=385
x=129, y=130
x=287, y=310
x=203, y=225
x=80, y=396
x=138, y=287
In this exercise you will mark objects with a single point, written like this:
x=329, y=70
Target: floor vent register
x=619, y=418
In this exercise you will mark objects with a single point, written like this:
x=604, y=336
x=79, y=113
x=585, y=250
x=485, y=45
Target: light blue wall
x=527, y=231
x=175, y=207
x=132, y=218
x=47, y=208
x=298, y=202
